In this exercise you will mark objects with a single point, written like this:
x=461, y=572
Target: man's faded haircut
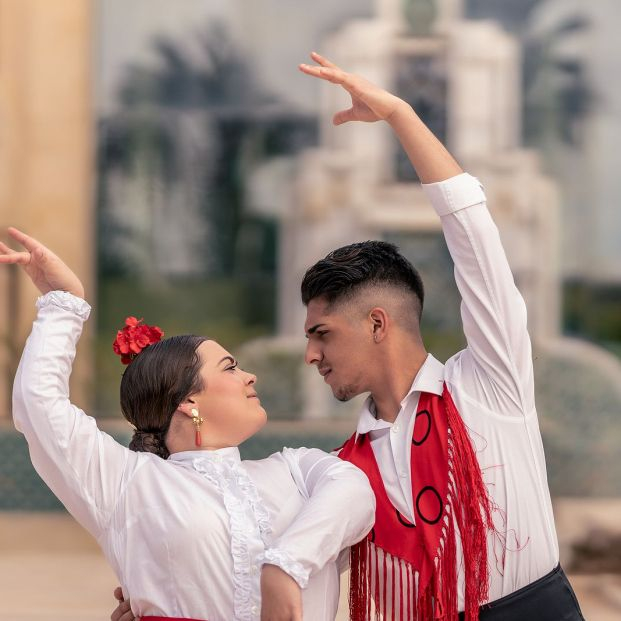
x=344, y=272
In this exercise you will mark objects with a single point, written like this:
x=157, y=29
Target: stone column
x=485, y=94
x=449, y=14
x=365, y=47
x=390, y=11
x=46, y=159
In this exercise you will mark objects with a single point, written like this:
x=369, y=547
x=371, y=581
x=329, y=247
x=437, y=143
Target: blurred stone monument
x=463, y=77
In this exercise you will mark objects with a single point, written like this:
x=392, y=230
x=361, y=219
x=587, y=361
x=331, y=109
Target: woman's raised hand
x=369, y=103
x=46, y=270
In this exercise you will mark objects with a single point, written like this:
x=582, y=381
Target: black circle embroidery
x=425, y=413
x=403, y=521
x=427, y=519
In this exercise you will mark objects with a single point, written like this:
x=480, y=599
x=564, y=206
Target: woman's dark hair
x=345, y=270
x=153, y=386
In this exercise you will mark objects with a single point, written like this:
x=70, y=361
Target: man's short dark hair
x=345, y=271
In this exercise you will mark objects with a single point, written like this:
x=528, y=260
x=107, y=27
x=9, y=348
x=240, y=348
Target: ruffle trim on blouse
x=67, y=301
x=261, y=514
x=275, y=556
x=239, y=494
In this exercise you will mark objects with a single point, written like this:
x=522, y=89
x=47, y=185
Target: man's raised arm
x=493, y=311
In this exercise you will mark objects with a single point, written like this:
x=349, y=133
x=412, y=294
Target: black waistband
x=550, y=598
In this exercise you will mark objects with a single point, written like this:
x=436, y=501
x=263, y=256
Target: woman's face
x=228, y=403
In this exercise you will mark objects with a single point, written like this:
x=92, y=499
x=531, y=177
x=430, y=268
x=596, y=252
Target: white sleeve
x=339, y=511
x=83, y=466
x=497, y=363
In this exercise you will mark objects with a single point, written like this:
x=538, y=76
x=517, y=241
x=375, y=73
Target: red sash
x=410, y=571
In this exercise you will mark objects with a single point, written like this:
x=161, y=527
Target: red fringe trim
x=470, y=508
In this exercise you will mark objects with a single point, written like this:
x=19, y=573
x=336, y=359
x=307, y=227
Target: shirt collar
x=430, y=378
x=229, y=453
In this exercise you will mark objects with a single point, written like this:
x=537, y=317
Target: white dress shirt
x=186, y=536
x=491, y=382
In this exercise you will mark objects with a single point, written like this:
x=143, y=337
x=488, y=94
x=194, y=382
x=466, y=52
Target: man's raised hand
x=369, y=103
x=46, y=270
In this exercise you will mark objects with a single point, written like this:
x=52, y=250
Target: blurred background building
x=173, y=154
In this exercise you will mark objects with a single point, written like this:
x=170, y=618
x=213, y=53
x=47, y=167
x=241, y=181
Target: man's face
x=339, y=344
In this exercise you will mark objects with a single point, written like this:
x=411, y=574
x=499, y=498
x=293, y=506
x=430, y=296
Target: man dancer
x=453, y=451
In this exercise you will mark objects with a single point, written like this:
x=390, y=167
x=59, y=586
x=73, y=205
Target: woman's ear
x=186, y=407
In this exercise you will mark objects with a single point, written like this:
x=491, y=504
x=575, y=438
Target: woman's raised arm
x=83, y=466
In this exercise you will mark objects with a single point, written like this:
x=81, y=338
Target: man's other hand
x=123, y=611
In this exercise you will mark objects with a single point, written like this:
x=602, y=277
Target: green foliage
x=190, y=124
x=443, y=343
x=579, y=419
x=591, y=311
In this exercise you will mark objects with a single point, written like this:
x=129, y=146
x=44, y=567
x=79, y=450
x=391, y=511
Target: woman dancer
x=187, y=535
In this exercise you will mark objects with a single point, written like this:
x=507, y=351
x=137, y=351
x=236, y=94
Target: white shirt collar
x=430, y=378
x=229, y=453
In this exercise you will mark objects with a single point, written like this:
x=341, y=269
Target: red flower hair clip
x=133, y=338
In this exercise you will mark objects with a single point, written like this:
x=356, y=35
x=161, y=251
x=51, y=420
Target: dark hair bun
x=149, y=442
x=153, y=386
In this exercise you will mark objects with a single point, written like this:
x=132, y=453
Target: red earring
x=198, y=421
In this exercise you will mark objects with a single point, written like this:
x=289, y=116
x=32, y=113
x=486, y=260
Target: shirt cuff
x=274, y=556
x=454, y=194
x=67, y=301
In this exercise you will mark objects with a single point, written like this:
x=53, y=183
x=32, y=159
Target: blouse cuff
x=453, y=194
x=275, y=556
x=67, y=301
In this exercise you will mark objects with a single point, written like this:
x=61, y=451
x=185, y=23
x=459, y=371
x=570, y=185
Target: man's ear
x=378, y=318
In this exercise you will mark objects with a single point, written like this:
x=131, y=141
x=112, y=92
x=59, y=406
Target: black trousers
x=550, y=598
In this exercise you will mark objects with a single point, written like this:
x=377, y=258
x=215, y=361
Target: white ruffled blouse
x=186, y=536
